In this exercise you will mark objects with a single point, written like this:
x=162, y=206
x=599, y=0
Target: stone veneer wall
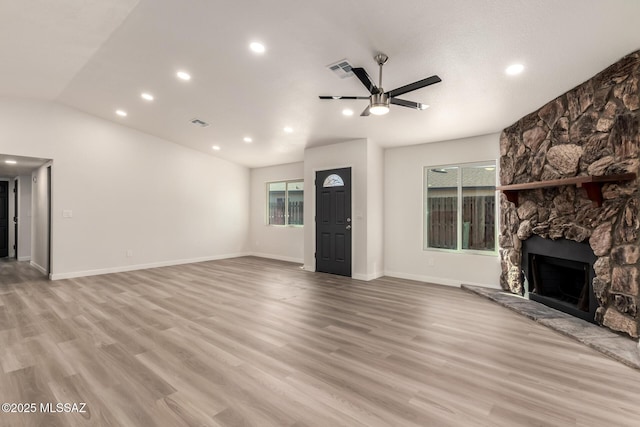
x=594, y=129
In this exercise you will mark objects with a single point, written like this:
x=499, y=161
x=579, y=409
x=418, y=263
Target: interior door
x=4, y=219
x=333, y=221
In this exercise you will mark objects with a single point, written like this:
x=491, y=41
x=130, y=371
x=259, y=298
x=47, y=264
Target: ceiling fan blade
x=414, y=86
x=408, y=104
x=365, y=112
x=362, y=75
x=343, y=97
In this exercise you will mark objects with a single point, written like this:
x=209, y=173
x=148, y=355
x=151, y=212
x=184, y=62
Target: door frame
x=46, y=236
x=16, y=216
x=49, y=166
x=354, y=231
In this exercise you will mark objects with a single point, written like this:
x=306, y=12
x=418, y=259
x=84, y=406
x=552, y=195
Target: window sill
x=493, y=253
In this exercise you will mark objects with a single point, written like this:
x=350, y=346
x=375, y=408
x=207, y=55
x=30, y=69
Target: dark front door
x=333, y=221
x=4, y=219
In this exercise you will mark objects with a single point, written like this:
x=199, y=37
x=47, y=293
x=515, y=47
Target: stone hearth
x=594, y=129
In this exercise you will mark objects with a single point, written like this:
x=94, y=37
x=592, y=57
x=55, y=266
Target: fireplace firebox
x=559, y=274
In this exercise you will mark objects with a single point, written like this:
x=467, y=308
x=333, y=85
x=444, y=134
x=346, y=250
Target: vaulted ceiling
x=99, y=56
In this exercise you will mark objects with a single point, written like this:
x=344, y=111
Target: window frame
x=459, y=208
x=286, y=202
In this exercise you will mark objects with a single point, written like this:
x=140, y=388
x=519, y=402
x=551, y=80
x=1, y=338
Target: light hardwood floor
x=254, y=342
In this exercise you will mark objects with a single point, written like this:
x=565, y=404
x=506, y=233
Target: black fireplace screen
x=559, y=273
x=564, y=280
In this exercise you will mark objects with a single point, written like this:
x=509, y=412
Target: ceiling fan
x=379, y=100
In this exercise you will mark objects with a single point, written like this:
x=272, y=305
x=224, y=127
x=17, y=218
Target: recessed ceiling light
x=514, y=69
x=11, y=162
x=121, y=113
x=247, y=139
x=347, y=112
x=288, y=129
x=257, y=47
x=183, y=75
x=147, y=96
x=216, y=148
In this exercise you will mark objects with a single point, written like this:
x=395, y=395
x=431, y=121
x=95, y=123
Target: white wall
x=127, y=190
x=40, y=219
x=268, y=241
x=353, y=154
x=403, y=250
x=24, y=218
x=375, y=210
x=167, y=204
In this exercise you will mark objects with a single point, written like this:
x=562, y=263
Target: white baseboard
x=277, y=257
x=367, y=277
x=436, y=280
x=38, y=267
x=24, y=258
x=421, y=278
x=121, y=269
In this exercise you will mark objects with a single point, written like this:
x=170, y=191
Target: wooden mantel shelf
x=592, y=184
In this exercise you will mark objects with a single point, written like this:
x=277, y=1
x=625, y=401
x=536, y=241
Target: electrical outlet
x=430, y=262
x=129, y=252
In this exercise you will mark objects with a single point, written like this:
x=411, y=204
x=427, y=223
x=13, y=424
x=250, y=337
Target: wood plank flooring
x=255, y=342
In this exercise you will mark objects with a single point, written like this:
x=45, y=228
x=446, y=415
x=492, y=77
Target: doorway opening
x=4, y=219
x=25, y=230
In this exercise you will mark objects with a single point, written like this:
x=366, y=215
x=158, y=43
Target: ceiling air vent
x=199, y=122
x=341, y=68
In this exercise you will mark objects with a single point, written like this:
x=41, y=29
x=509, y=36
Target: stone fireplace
x=571, y=164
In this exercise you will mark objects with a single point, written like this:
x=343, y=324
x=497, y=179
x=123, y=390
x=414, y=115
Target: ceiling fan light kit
x=379, y=100
x=379, y=104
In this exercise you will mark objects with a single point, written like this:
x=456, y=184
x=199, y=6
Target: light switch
x=67, y=213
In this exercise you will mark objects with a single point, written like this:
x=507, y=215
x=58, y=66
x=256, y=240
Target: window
x=460, y=207
x=285, y=203
x=333, y=180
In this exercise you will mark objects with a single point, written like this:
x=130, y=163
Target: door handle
x=348, y=227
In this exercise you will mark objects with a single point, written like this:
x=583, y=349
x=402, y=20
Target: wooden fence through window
x=277, y=213
x=478, y=222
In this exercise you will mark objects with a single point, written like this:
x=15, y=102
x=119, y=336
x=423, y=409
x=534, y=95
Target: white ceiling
x=99, y=56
